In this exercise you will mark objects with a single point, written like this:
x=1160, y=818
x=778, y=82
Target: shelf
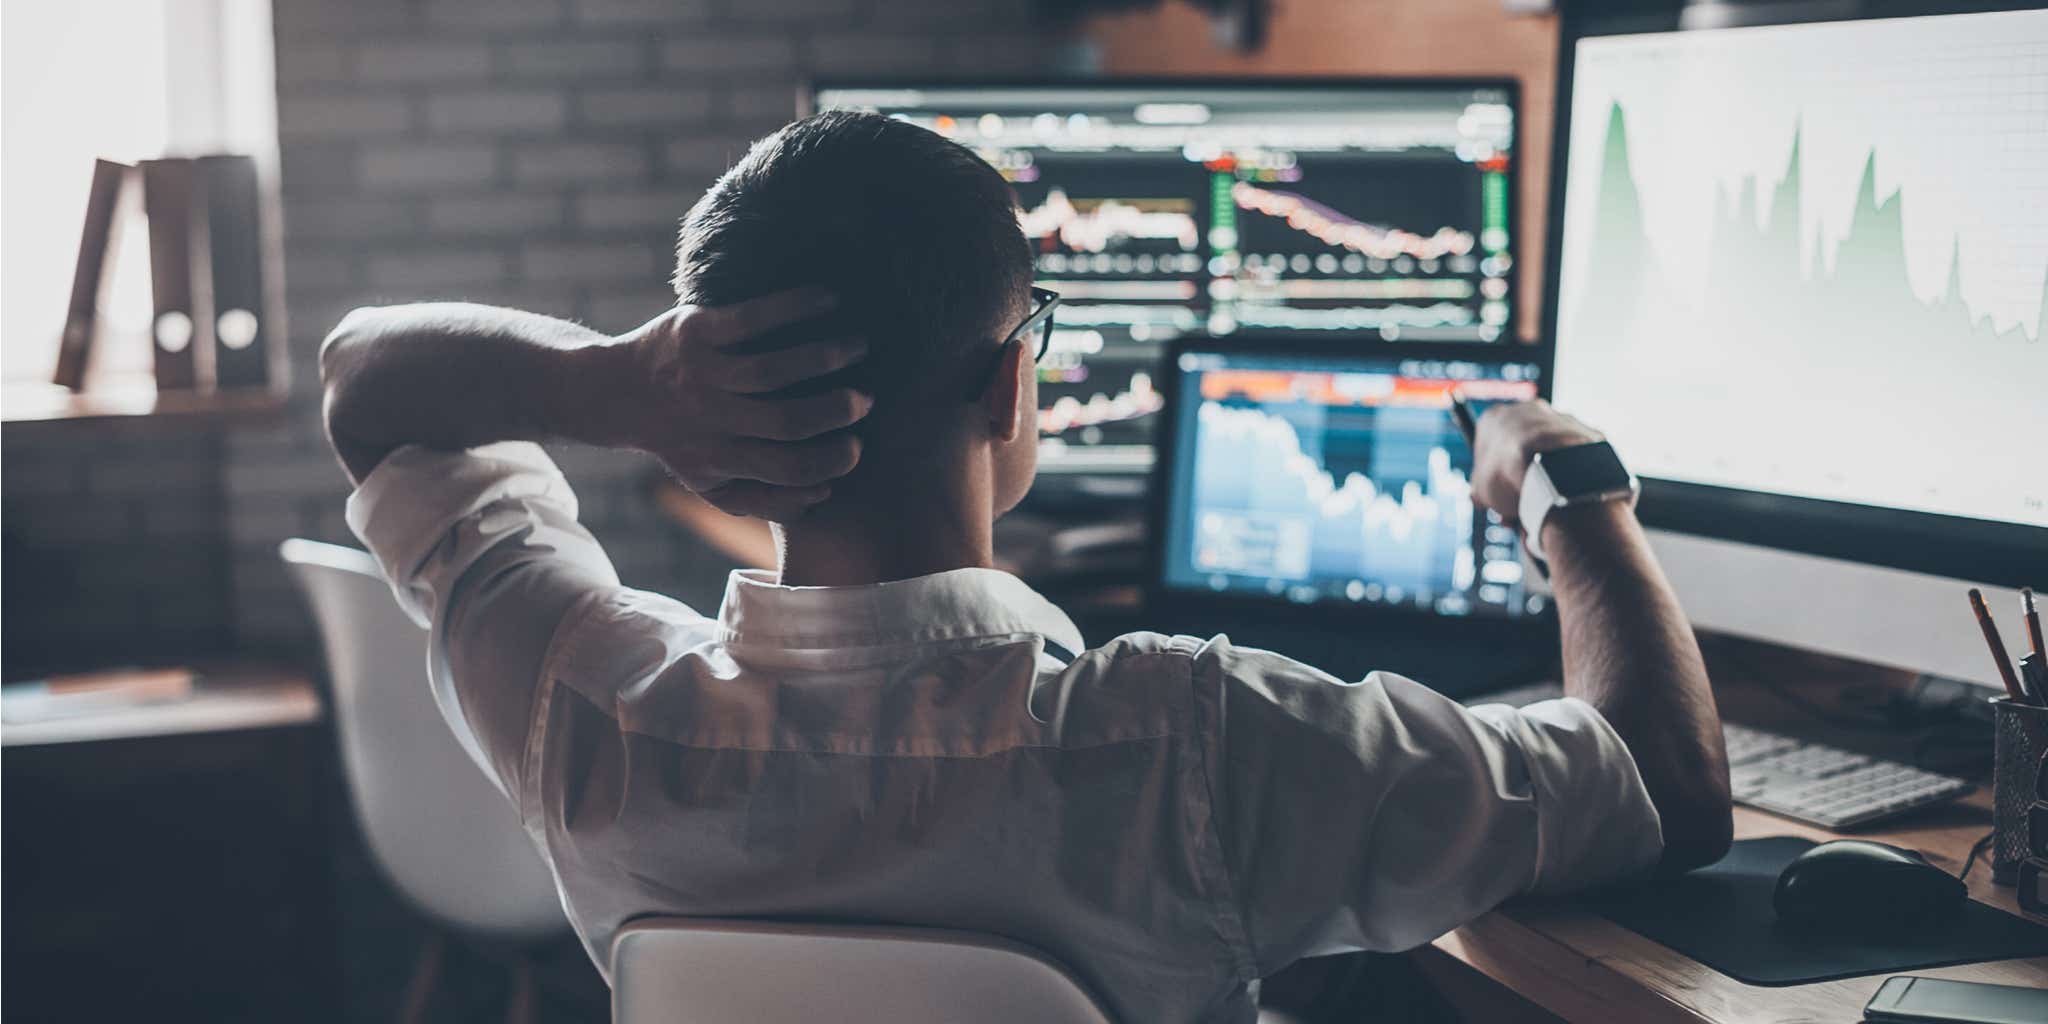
x=228, y=696
x=46, y=403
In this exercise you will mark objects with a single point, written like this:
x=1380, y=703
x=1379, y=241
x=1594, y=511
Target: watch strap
x=1539, y=496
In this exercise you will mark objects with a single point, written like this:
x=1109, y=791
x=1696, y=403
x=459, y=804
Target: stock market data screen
x=1377, y=211
x=1314, y=479
x=1748, y=211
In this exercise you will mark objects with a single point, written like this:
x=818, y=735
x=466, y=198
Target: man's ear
x=1004, y=399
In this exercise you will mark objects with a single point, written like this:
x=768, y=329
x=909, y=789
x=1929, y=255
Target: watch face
x=1585, y=469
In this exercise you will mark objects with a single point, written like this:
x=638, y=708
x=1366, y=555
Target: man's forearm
x=1629, y=652
x=455, y=375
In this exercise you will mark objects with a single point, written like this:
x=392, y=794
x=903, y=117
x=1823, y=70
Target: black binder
x=245, y=338
x=181, y=325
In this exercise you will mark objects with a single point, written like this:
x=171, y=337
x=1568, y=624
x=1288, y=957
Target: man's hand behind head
x=1509, y=436
x=722, y=417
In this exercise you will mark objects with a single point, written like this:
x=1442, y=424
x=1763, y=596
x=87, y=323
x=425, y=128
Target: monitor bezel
x=1513, y=335
x=1980, y=550
x=1158, y=595
x=807, y=96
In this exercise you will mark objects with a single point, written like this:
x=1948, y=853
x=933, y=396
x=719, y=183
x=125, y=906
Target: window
x=124, y=80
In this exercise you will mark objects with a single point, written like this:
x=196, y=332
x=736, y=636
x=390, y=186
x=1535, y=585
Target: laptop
x=1315, y=499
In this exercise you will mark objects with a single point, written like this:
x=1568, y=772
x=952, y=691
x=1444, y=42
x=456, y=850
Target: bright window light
x=87, y=79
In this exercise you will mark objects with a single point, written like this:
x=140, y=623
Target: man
x=889, y=730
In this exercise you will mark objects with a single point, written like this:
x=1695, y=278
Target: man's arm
x=454, y=376
x=1628, y=649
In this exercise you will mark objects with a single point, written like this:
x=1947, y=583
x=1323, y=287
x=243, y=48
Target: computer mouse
x=1857, y=884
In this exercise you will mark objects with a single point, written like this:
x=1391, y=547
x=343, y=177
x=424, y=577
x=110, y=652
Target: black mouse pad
x=1721, y=915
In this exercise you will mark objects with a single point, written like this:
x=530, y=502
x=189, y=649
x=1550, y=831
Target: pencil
x=1998, y=655
x=2033, y=617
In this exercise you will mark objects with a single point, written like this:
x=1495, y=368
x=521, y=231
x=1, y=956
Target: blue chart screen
x=1338, y=481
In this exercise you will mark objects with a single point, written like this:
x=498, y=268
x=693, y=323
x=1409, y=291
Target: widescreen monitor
x=1363, y=211
x=1799, y=273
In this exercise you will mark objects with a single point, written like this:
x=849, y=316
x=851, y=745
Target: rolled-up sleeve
x=483, y=549
x=1380, y=814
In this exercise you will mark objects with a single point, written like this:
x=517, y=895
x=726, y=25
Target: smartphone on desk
x=1909, y=1000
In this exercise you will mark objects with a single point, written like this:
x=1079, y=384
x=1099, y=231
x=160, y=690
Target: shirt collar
x=953, y=605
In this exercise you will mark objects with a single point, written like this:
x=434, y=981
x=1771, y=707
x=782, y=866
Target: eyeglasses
x=1042, y=302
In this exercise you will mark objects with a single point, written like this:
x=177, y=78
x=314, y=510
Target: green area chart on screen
x=1757, y=282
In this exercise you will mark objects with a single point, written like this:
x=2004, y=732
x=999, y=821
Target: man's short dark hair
x=916, y=234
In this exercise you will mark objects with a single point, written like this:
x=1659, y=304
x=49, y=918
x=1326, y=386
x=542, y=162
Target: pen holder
x=2020, y=741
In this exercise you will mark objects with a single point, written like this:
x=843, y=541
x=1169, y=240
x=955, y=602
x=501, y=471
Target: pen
x=1468, y=425
x=2033, y=617
x=1462, y=413
x=1998, y=655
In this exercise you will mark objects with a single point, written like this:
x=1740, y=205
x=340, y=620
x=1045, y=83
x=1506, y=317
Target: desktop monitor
x=1798, y=271
x=1363, y=210
x=1333, y=477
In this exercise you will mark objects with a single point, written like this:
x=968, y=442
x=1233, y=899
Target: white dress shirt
x=1172, y=818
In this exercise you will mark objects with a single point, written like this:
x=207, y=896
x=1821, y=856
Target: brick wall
x=533, y=153
x=114, y=550
x=528, y=152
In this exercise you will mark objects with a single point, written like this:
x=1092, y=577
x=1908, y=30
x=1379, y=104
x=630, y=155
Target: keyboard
x=1817, y=784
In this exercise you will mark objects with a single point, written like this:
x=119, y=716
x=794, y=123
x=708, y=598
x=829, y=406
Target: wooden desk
x=1583, y=967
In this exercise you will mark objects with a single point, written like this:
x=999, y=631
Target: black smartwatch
x=1562, y=477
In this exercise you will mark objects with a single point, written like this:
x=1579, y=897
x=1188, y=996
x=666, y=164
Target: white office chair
x=695, y=971
x=442, y=834
x=680, y=970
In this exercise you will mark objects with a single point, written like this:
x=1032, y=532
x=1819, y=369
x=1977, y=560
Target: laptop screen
x=1336, y=479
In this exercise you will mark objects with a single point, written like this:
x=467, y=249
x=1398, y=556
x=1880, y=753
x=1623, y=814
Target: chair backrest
x=441, y=832
x=698, y=971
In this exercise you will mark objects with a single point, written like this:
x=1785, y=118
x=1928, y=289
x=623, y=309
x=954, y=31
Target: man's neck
x=889, y=544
